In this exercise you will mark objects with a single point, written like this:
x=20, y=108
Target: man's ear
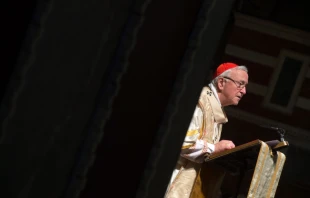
x=220, y=83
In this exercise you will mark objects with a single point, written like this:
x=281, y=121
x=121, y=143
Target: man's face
x=233, y=88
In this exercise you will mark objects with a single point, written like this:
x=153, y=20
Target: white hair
x=227, y=73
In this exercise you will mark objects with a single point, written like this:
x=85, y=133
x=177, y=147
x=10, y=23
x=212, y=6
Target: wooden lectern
x=264, y=160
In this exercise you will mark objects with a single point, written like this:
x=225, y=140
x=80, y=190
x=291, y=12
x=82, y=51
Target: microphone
x=280, y=131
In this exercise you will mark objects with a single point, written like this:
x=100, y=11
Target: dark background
x=96, y=95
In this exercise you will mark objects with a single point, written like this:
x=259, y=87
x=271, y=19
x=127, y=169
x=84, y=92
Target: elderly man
x=203, y=136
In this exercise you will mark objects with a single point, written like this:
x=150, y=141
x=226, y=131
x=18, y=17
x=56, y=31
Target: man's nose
x=243, y=90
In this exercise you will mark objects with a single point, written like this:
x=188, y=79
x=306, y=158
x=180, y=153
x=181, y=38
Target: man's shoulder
x=204, y=100
x=206, y=91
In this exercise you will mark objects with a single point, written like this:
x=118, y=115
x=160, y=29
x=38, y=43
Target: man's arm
x=194, y=148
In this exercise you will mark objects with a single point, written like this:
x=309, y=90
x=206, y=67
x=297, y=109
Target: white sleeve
x=195, y=148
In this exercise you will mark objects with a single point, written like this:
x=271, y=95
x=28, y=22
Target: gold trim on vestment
x=192, y=132
x=279, y=165
x=188, y=146
x=265, y=154
x=203, y=121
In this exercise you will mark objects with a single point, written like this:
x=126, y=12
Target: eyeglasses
x=240, y=85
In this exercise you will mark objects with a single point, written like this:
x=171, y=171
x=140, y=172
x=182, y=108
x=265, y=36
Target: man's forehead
x=240, y=75
x=239, y=72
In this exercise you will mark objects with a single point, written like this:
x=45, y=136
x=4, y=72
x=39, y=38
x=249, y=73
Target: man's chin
x=236, y=102
x=233, y=103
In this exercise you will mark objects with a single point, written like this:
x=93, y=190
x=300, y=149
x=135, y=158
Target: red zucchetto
x=223, y=67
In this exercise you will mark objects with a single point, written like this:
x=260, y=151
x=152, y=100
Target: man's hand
x=223, y=145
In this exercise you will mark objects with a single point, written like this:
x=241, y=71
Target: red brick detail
x=263, y=43
x=253, y=104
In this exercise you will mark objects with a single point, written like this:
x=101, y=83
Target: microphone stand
x=280, y=131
